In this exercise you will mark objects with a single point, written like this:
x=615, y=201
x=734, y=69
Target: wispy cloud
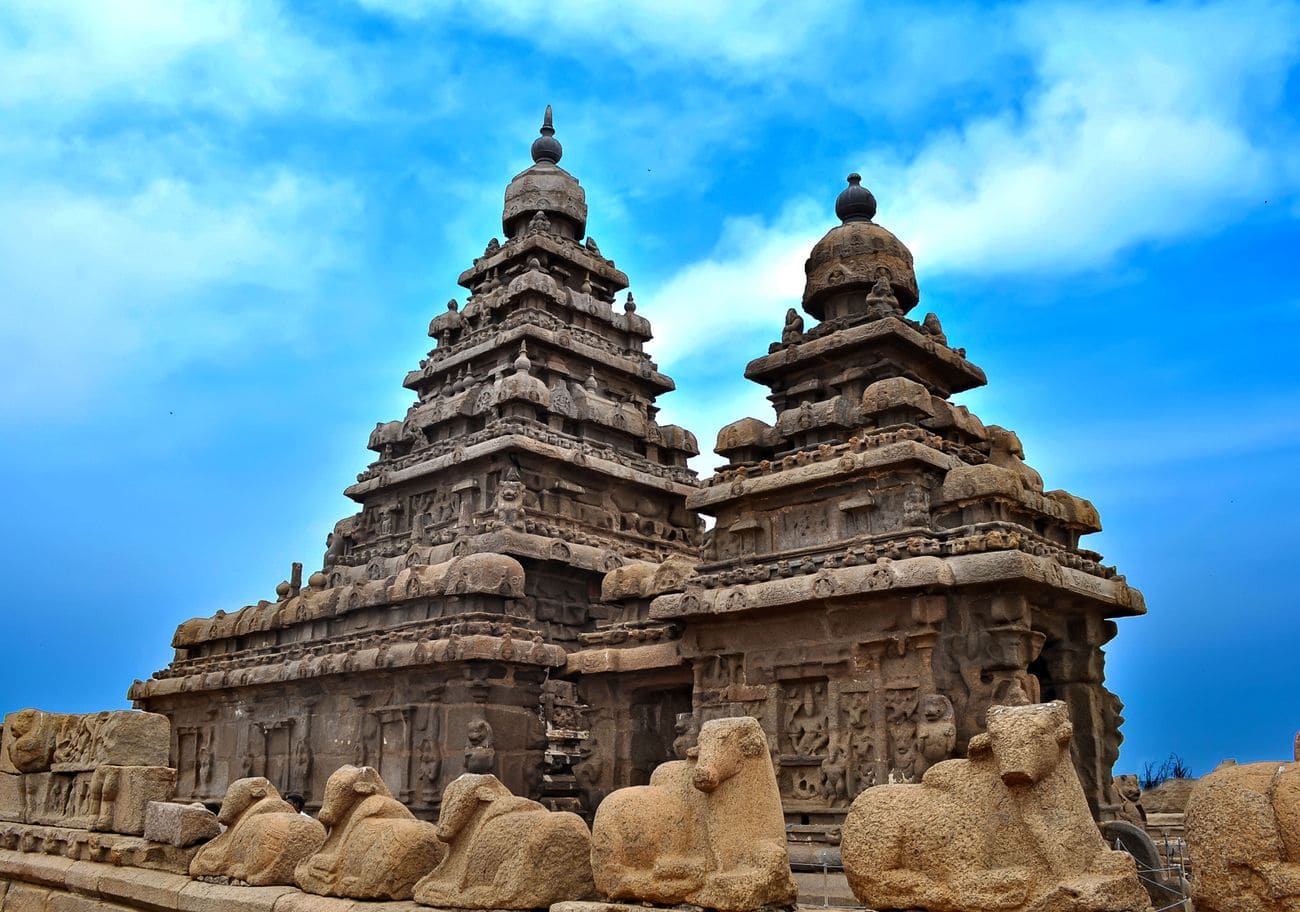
x=58, y=57
x=1141, y=125
x=1144, y=126
x=136, y=285
x=745, y=35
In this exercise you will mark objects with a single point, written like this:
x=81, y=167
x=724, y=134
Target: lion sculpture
x=264, y=840
x=505, y=852
x=376, y=849
x=707, y=831
x=1007, y=829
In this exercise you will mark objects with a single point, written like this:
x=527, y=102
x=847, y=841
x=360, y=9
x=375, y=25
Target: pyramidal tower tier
x=529, y=466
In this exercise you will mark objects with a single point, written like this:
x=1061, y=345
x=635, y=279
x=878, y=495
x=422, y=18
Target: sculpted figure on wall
x=264, y=840
x=1243, y=833
x=707, y=831
x=936, y=733
x=480, y=755
x=505, y=852
x=376, y=849
x=1007, y=829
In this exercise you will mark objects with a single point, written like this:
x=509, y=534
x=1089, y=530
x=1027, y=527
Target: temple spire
x=546, y=148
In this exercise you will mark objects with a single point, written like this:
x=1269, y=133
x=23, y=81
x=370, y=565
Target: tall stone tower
x=884, y=567
x=530, y=465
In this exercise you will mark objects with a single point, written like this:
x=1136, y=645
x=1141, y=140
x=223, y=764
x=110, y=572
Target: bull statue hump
x=1007, y=829
x=707, y=831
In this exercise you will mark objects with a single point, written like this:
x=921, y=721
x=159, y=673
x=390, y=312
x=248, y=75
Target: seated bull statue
x=707, y=831
x=376, y=849
x=505, y=852
x=1007, y=829
x=264, y=840
x=1243, y=833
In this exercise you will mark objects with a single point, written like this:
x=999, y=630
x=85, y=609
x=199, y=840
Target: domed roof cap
x=546, y=148
x=855, y=202
x=853, y=256
x=548, y=188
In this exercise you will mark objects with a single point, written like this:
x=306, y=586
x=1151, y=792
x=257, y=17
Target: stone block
x=296, y=901
x=142, y=889
x=74, y=902
x=206, y=897
x=12, y=806
x=179, y=824
x=22, y=897
x=116, y=738
x=135, y=787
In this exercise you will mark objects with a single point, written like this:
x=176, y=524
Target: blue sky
x=224, y=227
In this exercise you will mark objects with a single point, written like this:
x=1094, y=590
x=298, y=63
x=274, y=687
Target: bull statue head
x=725, y=746
x=462, y=799
x=1025, y=742
x=242, y=795
x=345, y=789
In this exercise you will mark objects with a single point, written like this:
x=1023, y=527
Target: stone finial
x=505, y=852
x=855, y=202
x=939, y=842
x=714, y=820
x=546, y=148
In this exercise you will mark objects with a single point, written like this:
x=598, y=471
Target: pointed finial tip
x=546, y=148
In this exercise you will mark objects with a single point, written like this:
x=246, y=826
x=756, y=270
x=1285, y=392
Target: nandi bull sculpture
x=505, y=852
x=707, y=830
x=1008, y=830
x=376, y=849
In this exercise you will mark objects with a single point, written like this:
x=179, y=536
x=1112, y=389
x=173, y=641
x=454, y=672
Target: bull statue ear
x=980, y=746
x=363, y=788
x=486, y=793
x=1064, y=732
x=258, y=791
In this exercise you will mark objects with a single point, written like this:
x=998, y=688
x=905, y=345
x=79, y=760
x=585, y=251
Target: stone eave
x=517, y=248
x=957, y=373
x=901, y=452
x=508, y=338
x=609, y=660
x=359, y=491
x=925, y=573
x=402, y=655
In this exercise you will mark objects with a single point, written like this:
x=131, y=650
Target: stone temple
x=528, y=588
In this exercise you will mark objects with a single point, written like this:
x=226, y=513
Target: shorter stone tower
x=884, y=567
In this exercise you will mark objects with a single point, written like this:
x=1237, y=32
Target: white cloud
x=1145, y=125
x=736, y=35
x=57, y=57
x=101, y=286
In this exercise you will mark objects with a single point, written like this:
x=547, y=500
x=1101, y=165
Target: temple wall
x=414, y=727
